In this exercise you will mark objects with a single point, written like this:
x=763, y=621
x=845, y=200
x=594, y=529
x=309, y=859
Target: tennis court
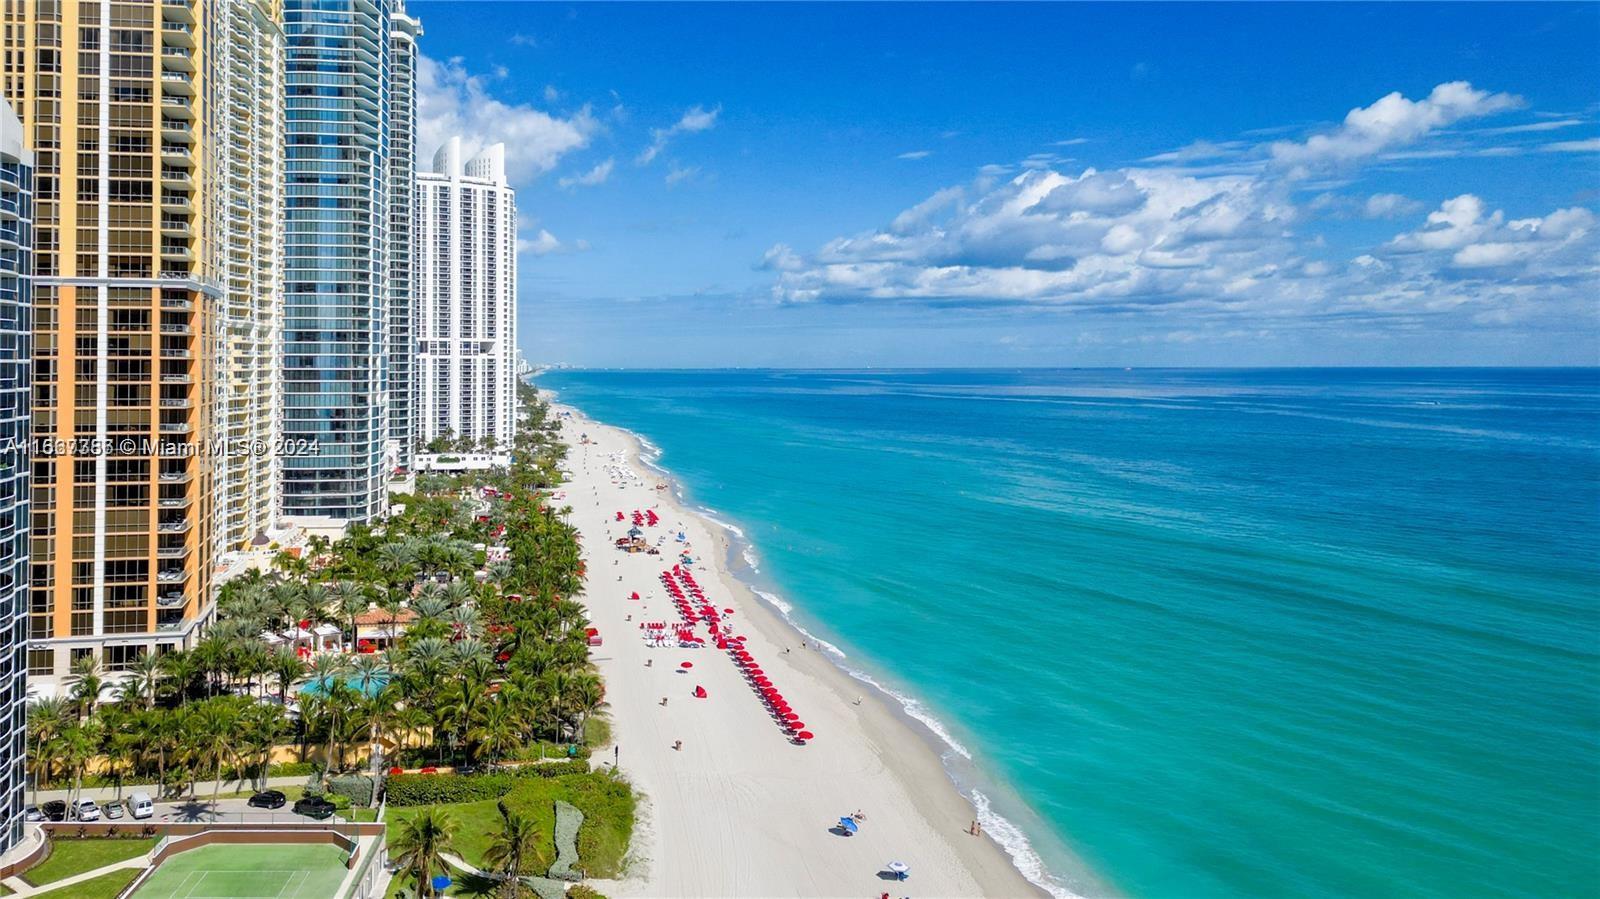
x=253, y=871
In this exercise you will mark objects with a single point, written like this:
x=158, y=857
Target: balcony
x=173, y=527
x=176, y=303
x=176, y=477
x=168, y=625
x=170, y=575
x=176, y=329
x=176, y=154
x=176, y=379
x=177, y=58
x=175, y=200
x=173, y=552
x=178, y=11
x=172, y=502
x=170, y=403
x=176, y=33
x=176, y=427
x=170, y=601
x=176, y=130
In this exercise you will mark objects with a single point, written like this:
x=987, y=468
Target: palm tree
x=139, y=688
x=350, y=599
x=498, y=730
x=47, y=719
x=211, y=734
x=85, y=683
x=420, y=843
x=79, y=743
x=286, y=668
x=511, y=848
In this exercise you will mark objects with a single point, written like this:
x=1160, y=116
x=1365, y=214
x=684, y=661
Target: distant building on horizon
x=16, y=399
x=466, y=280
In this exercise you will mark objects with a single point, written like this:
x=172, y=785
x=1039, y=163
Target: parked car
x=140, y=806
x=112, y=811
x=268, y=799
x=54, y=810
x=85, y=810
x=314, y=807
x=32, y=813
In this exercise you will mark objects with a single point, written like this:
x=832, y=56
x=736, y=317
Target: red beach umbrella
x=686, y=665
x=805, y=735
x=792, y=716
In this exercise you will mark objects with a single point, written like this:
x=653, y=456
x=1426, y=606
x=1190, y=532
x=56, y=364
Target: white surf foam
x=1015, y=843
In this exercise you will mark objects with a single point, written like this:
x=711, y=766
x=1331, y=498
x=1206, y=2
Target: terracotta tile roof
x=384, y=616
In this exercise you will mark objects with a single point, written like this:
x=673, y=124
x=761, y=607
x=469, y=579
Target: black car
x=314, y=807
x=268, y=799
x=54, y=810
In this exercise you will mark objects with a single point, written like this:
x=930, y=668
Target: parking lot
x=202, y=810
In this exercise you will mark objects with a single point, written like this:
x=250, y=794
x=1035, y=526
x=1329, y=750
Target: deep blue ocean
x=1318, y=633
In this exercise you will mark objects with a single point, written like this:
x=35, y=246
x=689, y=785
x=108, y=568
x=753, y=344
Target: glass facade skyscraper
x=337, y=82
x=16, y=387
x=402, y=238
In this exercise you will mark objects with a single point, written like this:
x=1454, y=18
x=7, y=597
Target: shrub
x=579, y=891
x=432, y=789
x=358, y=788
x=606, y=802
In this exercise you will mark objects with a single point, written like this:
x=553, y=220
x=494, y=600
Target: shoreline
x=914, y=768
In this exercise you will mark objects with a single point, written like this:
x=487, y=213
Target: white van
x=140, y=806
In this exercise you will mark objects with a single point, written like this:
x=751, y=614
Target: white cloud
x=1213, y=242
x=551, y=94
x=696, y=119
x=1387, y=206
x=1473, y=237
x=541, y=244
x=916, y=154
x=1071, y=142
x=1392, y=122
x=1546, y=125
x=677, y=174
x=522, y=40
x=1200, y=149
x=1592, y=145
x=594, y=176
x=452, y=101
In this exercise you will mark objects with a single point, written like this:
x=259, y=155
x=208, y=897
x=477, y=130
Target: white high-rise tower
x=466, y=288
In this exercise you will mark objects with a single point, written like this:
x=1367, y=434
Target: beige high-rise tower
x=149, y=237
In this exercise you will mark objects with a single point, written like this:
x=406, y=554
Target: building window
x=41, y=661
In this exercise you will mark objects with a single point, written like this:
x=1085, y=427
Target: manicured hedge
x=433, y=789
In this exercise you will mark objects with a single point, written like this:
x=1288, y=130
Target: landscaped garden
x=485, y=664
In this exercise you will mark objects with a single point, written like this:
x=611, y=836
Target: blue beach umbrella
x=849, y=824
x=441, y=881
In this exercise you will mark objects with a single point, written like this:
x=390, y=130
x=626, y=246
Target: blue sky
x=906, y=185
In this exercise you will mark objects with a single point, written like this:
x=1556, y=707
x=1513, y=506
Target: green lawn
x=69, y=856
x=106, y=886
x=477, y=822
x=259, y=871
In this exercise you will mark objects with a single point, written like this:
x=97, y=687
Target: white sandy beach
x=740, y=810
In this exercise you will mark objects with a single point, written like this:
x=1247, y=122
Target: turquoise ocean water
x=1202, y=633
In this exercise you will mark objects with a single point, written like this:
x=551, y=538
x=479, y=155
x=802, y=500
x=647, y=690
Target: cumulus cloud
x=597, y=175
x=1222, y=242
x=696, y=119
x=1474, y=237
x=452, y=101
x=1392, y=122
